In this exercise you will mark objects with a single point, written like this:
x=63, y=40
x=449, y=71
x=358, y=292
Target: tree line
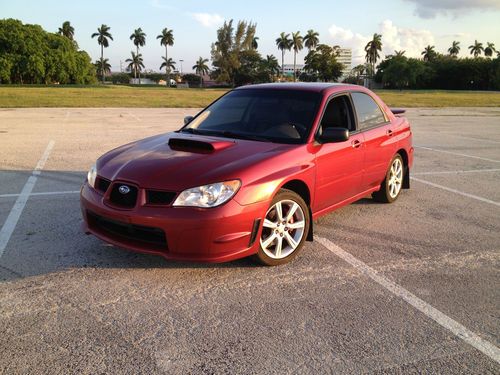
x=29, y=54
x=136, y=62
x=236, y=60
x=433, y=70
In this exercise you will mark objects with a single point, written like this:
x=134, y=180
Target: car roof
x=304, y=86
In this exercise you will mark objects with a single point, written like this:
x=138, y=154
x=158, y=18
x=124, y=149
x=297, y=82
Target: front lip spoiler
x=174, y=256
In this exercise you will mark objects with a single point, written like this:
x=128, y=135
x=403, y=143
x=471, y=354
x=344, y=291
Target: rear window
x=367, y=111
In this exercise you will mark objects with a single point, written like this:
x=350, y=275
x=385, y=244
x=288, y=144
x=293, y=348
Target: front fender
x=265, y=188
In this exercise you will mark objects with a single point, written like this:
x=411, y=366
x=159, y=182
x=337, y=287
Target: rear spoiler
x=398, y=111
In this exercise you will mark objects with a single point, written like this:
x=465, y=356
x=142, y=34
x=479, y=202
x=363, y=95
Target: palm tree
x=489, y=50
x=272, y=66
x=166, y=39
x=454, y=49
x=428, y=53
x=255, y=43
x=358, y=70
x=201, y=68
x=372, y=49
x=297, y=45
x=399, y=53
x=103, y=35
x=283, y=43
x=311, y=39
x=336, y=50
x=103, y=66
x=135, y=63
x=139, y=39
x=67, y=30
x=167, y=64
x=476, y=48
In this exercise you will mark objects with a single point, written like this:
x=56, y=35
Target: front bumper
x=219, y=234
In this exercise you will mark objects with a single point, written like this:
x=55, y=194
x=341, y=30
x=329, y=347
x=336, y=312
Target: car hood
x=177, y=161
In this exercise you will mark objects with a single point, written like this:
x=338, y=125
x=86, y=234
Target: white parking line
x=42, y=193
x=14, y=214
x=458, y=154
x=455, y=172
x=474, y=139
x=456, y=191
x=445, y=321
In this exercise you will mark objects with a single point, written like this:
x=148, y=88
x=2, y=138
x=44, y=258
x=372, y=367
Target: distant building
x=144, y=81
x=345, y=57
x=288, y=69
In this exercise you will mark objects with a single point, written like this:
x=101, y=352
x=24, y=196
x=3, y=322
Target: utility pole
x=181, y=61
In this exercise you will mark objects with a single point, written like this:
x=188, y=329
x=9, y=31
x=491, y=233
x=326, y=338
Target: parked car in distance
x=249, y=173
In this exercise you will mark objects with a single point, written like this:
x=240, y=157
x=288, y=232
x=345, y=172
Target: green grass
x=160, y=97
x=105, y=96
x=439, y=98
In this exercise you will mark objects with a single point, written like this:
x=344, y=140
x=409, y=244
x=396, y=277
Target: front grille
x=159, y=197
x=149, y=237
x=102, y=184
x=123, y=199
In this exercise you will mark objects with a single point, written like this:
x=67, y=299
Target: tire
x=390, y=189
x=281, y=240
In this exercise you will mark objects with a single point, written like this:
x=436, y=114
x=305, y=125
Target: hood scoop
x=197, y=145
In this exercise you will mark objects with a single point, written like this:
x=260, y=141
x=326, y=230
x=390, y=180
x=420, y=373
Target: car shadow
x=366, y=201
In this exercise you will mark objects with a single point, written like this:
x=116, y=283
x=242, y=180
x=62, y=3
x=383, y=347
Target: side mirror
x=332, y=135
x=188, y=119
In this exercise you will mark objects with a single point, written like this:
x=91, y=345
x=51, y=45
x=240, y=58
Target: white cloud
x=413, y=41
x=208, y=19
x=338, y=32
x=455, y=36
x=431, y=8
x=161, y=5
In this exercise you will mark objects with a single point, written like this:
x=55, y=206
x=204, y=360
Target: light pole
x=181, y=65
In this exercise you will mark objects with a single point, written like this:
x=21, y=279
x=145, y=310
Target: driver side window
x=338, y=114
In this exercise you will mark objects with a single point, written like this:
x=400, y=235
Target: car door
x=379, y=144
x=339, y=166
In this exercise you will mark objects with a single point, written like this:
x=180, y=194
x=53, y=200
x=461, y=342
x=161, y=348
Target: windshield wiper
x=193, y=131
x=226, y=134
x=251, y=137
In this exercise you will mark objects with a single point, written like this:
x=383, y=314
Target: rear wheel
x=284, y=230
x=393, y=182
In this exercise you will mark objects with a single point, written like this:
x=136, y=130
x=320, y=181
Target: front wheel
x=284, y=230
x=393, y=182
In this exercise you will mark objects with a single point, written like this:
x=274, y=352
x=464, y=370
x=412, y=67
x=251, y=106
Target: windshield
x=281, y=116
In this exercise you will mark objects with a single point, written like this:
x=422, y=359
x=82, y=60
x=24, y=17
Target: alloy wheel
x=395, y=178
x=283, y=229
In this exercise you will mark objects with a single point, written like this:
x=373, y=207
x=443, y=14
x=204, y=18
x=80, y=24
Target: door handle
x=389, y=132
x=355, y=144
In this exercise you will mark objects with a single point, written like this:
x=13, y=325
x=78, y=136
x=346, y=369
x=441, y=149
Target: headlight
x=92, y=175
x=211, y=195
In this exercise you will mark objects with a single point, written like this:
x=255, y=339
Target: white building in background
x=345, y=57
x=288, y=69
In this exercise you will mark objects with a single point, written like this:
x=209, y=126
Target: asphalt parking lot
x=411, y=287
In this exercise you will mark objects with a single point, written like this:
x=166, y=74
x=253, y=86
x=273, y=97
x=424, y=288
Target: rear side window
x=367, y=111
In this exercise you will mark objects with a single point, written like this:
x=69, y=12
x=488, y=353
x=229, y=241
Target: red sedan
x=249, y=173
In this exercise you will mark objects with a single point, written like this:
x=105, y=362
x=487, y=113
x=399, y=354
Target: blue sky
x=404, y=24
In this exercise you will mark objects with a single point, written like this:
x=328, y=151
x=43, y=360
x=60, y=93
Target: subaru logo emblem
x=124, y=189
